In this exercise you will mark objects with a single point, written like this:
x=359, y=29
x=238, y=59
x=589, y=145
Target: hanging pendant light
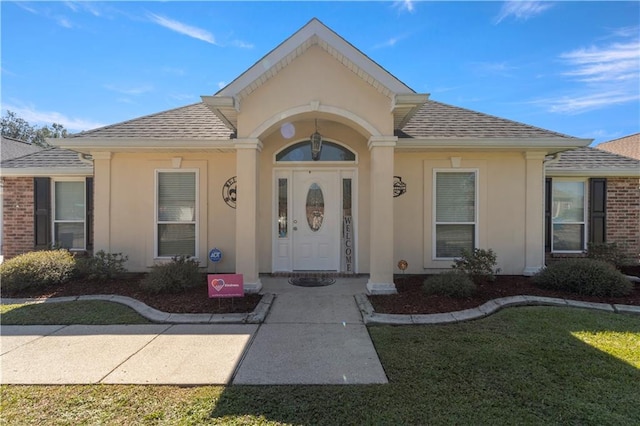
x=316, y=144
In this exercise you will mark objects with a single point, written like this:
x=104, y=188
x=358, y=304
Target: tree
x=18, y=128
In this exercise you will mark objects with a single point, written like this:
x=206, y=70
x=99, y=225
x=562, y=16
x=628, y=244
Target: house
x=316, y=159
x=629, y=146
x=47, y=199
x=592, y=196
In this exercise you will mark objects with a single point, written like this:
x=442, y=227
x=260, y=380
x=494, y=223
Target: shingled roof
x=433, y=120
x=629, y=146
x=14, y=148
x=191, y=122
x=441, y=121
x=50, y=161
x=589, y=161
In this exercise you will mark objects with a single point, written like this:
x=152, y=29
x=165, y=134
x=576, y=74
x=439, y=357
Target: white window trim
x=433, y=209
x=334, y=164
x=53, y=210
x=585, y=210
x=197, y=212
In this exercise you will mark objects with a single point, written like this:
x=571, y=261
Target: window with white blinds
x=69, y=213
x=455, y=200
x=568, y=215
x=176, y=215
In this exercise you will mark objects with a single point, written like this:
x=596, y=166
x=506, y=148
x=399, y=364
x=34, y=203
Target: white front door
x=315, y=225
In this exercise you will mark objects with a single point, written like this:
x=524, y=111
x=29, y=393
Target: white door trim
x=282, y=247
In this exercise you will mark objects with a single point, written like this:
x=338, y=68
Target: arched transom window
x=302, y=152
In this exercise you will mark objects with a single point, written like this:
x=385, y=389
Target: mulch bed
x=191, y=301
x=409, y=300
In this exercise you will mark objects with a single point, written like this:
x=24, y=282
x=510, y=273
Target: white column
x=247, y=168
x=101, y=201
x=381, y=149
x=534, y=212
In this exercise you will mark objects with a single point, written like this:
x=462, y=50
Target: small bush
x=102, y=266
x=608, y=252
x=37, y=269
x=479, y=264
x=172, y=277
x=584, y=276
x=450, y=283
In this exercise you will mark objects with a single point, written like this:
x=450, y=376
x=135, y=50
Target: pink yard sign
x=225, y=285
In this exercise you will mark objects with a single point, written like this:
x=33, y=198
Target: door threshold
x=313, y=274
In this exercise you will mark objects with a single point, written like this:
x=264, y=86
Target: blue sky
x=571, y=67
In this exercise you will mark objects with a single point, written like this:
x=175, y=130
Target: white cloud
x=33, y=116
x=241, y=44
x=222, y=84
x=522, y=10
x=493, y=68
x=610, y=75
x=405, y=5
x=182, y=28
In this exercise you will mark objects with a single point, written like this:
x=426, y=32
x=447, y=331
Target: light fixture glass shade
x=316, y=145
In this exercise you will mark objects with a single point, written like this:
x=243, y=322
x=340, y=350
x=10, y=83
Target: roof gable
x=314, y=33
x=226, y=102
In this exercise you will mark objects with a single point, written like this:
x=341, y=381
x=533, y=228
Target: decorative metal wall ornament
x=399, y=187
x=229, y=192
x=403, y=265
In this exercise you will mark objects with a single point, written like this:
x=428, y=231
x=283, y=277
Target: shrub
x=102, y=266
x=479, y=264
x=450, y=283
x=37, y=269
x=172, y=277
x=584, y=276
x=608, y=252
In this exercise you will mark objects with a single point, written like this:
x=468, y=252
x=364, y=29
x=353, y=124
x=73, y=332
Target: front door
x=315, y=226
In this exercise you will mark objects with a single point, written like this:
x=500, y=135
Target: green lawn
x=533, y=365
x=91, y=312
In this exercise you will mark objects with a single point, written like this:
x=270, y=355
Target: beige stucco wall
x=315, y=76
x=501, y=207
x=132, y=205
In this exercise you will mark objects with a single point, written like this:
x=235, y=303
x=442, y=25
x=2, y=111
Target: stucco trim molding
x=316, y=107
x=381, y=141
x=248, y=143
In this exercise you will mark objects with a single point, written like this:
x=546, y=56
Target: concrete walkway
x=297, y=335
x=309, y=336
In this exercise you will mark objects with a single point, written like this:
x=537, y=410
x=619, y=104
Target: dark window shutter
x=89, y=220
x=597, y=210
x=42, y=213
x=548, y=193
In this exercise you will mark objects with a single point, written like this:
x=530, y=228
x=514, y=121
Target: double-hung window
x=176, y=213
x=69, y=214
x=455, y=212
x=568, y=215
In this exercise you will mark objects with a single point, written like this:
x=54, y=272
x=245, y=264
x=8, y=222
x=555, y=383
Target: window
x=302, y=152
x=69, y=214
x=568, y=216
x=454, y=212
x=176, y=216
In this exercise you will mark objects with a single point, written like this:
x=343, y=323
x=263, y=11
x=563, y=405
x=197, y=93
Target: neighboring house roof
x=48, y=162
x=628, y=146
x=591, y=162
x=14, y=148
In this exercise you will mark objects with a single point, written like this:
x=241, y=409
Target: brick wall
x=17, y=229
x=623, y=214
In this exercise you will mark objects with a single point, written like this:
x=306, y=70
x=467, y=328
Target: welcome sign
x=225, y=285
